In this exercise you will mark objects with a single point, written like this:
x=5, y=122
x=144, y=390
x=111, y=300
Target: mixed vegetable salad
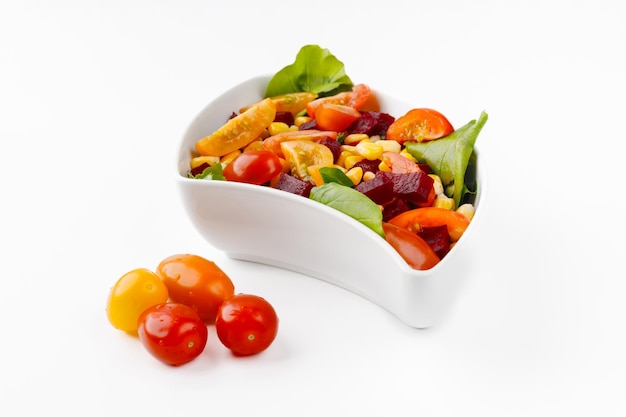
x=410, y=178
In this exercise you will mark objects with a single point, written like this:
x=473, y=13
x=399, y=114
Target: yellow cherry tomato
x=131, y=295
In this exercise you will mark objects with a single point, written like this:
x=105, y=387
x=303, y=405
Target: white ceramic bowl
x=273, y=227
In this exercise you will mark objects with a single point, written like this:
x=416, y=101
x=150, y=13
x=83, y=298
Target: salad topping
x=409, y=178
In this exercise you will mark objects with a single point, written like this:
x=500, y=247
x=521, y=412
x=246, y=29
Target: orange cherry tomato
x=335, y=117
x=293, y=103
x=400, y=164
x=303, y=154
x=357, y=98
x=413, y=249
x=197, y=282
x=272, y=143
x=239, y=131
x=419, y=125
x=414, y=220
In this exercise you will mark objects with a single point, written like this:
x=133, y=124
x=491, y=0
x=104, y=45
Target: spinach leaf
x=211, y=173
x=449, y=157
x=351, y=202
x=330, y=174
x=315, y=70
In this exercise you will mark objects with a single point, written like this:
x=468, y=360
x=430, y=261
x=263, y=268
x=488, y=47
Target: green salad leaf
x=451, y=156
x=315, y=70
x=211, y=173
x=331, y=174
x=351, y=202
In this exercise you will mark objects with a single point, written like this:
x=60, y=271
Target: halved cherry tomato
x=301, y=154
x=196, y=282
x=133, y=292
x=172, y=332
x=253, y=167
x=336, y=117
x=415, y=219
x=272, y=143
x=293, y=103
x=357, y=98
x=413, y=249
x=239, y=131
x=419, y=125
x=246, y=324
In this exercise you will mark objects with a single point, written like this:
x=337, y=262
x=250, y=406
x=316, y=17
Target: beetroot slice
x=333, y=145
x=379, y=189
x=437, y=237
x=413, y=186
x=394, y=208
x=294, y=185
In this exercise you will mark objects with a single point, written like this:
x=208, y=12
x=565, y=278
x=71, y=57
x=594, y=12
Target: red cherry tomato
x=413, y=249
x=335, y=117
x=419, y=125
x=357, y=98
x=196, y=282
x=246, y=324
x=253, y=167
x=173, y=333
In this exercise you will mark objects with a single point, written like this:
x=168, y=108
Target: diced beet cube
x=368, y=166
x=284, y=117
x=199, y=169
x=437, y=237
x=414, y=187
x=294, y=185
x=379, y=189
x=371, y=123
x=333, y=145
x=394, y=208
x=312, y=124
x=426, y=168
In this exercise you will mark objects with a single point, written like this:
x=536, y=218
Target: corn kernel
x=350, y=161
x=368, y=175
x=199, y=160
x=467, y=210
x=369, y=150
x=229, y=157
x=437, y=185
x=342, y=157
x=408, y=155
x=256, y=145
x=443, y=201
x=355, y=174
x=300, y=120
x=348, y=148
x=384, y=167
x=390, y=146
x=355, y=138
x=277, y=127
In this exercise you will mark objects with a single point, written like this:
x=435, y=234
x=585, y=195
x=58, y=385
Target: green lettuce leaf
x=449, y=158
x=315, y=70
x=211, y=173
x=331, y=174
x=351, y=202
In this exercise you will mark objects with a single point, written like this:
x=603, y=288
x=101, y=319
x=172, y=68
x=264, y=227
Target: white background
x=94, y=97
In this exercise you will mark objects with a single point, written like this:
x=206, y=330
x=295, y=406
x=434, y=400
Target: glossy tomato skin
x=133, y=292
x=246, y=324
x=358, y=98
x=335, y=117
x=197, y=282
x=418, y=125
x=172, y=332
x=416, y=218
x=413, y=249
x=253, y=167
